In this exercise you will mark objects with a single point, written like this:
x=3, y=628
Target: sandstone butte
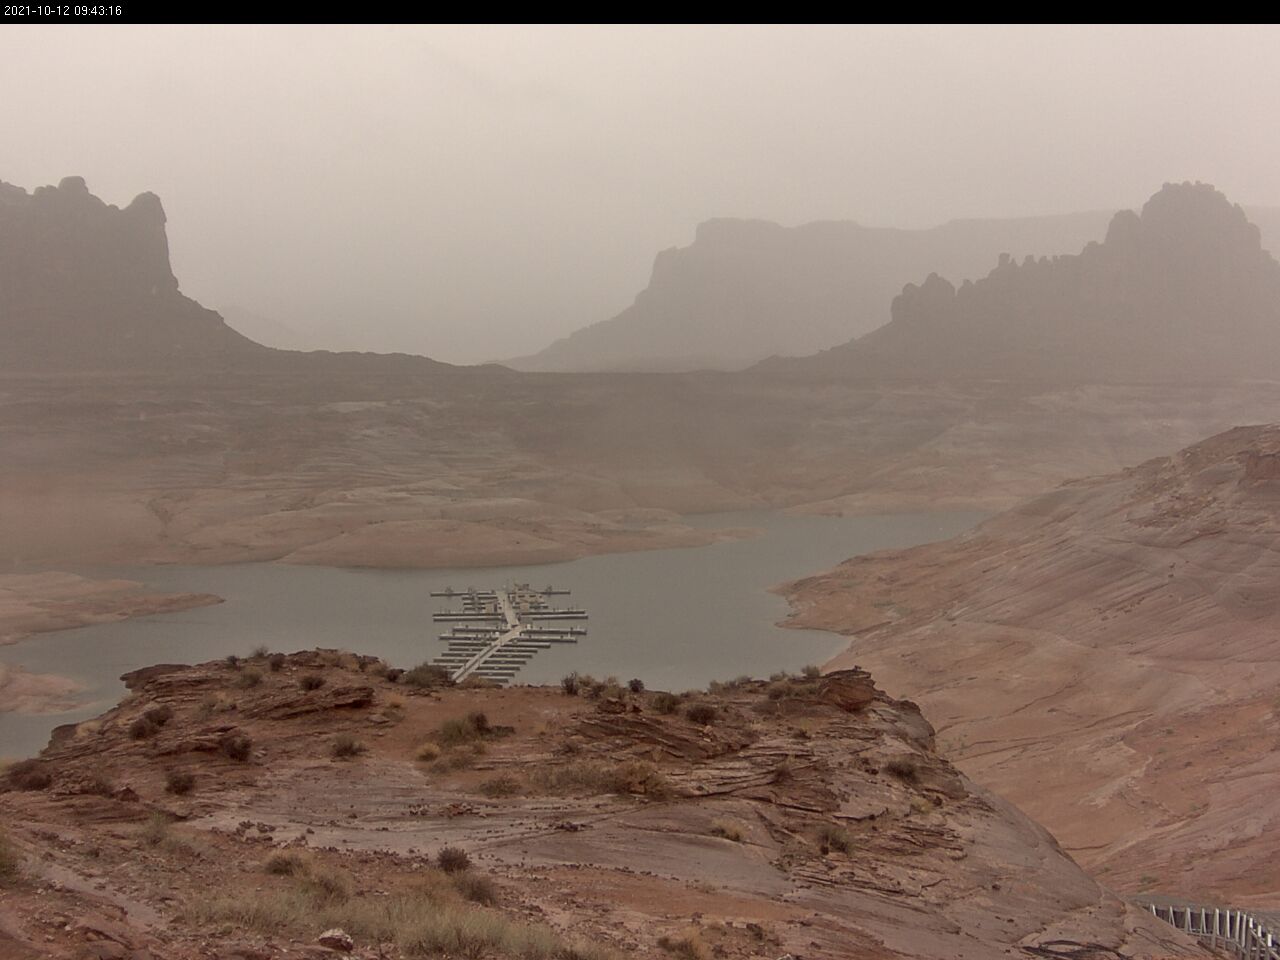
x=1104, y=656
x=247, y=809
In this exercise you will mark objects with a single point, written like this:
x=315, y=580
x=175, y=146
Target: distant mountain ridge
x=745, y=290
x=1182, y=289
x=748, y=289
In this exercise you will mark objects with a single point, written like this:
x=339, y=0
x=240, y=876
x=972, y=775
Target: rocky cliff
x=1182, y=289
x=1105, y=655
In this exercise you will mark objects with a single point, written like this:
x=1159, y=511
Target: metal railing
x=1242, y=933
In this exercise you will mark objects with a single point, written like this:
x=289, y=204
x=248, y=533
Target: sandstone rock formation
x=1104, y=655
x=749, y=289
x=809, y=817
x=1183, y=289
x=84, y=284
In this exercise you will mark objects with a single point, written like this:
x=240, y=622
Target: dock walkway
x=497, y=631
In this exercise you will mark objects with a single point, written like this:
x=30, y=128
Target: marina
x=498, y=631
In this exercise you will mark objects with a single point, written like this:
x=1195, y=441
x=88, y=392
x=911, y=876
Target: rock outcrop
x=1106, y=656
x=87, y=285
x=1183, y=289
x=804, y=816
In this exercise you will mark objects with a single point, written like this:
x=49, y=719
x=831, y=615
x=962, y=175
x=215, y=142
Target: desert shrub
x=10, y=861
x=141, y=728
x=503, y=785
x=428, y=751
x=214, y=703
x=635, y=685
x=232, y=661
x=702, y=714
x=811, y=671
x=276, y=662
x=248, y=679
x=179, y=782
x=903, y=769
x=286, y=863
x=29, y=775
x=396, y=701
x=236, y=746
x=155, y=831
x=778, y=691
x=633, y=777
x=159, y=715
x=727, y=829
x=666, y=703
x=326, y=886
x=780, y=675
x=569, y=684
x=99, y=785
x=259, y=652
x=475, y=887
x=311, y=681
x=425, y=676
x=783, y=773
x=453, y=860
x=459, y=730
x=688, y=945
x=417, y=921
x=345, y=746
x=831, y=837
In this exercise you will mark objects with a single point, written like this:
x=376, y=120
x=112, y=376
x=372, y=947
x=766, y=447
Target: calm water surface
x=676, y=619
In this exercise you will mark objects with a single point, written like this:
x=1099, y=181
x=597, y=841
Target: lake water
x=676, y=619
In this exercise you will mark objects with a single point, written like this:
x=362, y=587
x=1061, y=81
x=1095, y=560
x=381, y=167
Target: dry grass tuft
x=831, y=837
x=503, y=785
x=689, y=945
x=727, y=829
x=591, y=777
x=453, y=860
x=10, y=862
x=345, y=746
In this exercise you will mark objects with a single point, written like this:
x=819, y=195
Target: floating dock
x=496, y=632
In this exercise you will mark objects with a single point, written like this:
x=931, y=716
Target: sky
x=473, y=193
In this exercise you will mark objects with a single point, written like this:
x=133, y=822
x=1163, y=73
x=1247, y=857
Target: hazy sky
x=473, y=193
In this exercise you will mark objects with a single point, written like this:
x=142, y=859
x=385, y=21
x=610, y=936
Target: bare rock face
x=1105, y=655
x=336, y=939
x=86, y=284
